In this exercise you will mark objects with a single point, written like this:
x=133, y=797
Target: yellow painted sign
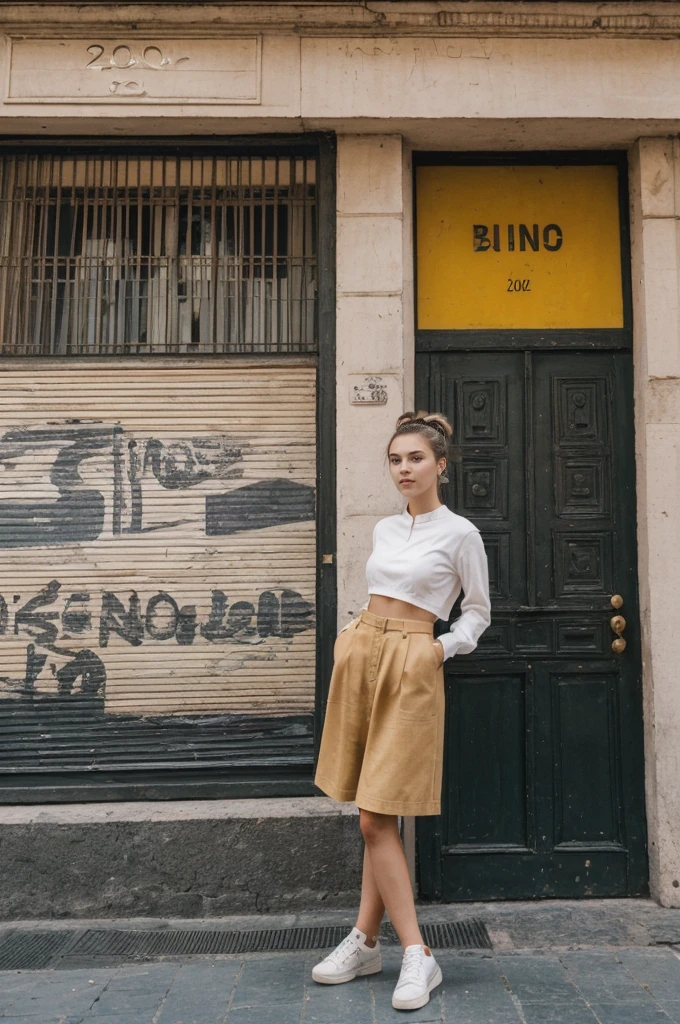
x=518, y=247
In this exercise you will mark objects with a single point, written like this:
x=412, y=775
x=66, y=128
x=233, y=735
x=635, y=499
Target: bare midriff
x=393, y=608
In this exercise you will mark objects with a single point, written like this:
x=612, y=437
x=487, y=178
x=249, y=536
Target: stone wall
x=655, y=193
x=370, y=340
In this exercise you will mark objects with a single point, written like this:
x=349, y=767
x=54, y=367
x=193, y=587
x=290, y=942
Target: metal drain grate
x=195, y=942
x=22, y=950
x=34, y=951
x=470, y=934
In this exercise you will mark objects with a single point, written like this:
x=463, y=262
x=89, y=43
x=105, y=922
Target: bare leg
x=371, y=908
x=390, y=874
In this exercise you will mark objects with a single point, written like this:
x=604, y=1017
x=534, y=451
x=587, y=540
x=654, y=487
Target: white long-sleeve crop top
x=427, y=560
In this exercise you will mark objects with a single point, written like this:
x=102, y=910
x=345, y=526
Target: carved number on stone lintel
x=122, y=57
x=133, y=69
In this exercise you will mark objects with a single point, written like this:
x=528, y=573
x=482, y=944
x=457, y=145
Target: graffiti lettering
x=186, y=463
x=257, y=506
x=277, y=613
x=76, y=620
x=40, y=624
x=114, y=619
x=75, y=482
x=186, y=625
x=215, y=629
x=165, y=620
x=87, y=667
x=282, y=616
x=34, y=666
x=79, y=511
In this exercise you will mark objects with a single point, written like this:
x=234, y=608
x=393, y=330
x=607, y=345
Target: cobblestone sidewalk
x=553, y=962
x=621, y=986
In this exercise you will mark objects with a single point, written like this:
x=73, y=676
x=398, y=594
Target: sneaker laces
x=343, y=950
x=412, y=966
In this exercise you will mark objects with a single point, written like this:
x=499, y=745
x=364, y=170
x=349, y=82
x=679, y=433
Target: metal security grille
x=157, y=563
x=165, y=255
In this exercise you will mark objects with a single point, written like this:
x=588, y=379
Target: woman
x=383, y=736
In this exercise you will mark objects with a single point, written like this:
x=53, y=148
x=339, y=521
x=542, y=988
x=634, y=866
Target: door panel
x=573, y=473
x=543, y=751
x=487, y=795
x=483, y=399
x=586, y=760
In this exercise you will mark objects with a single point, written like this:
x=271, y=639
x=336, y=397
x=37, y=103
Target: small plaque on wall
x=367, y=390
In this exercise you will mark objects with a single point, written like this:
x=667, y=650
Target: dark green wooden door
x=543, y=773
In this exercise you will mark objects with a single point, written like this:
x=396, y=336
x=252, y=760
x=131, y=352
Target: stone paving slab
x=611, y=986
x=200, y=992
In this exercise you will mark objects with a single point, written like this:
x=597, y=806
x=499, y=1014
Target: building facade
x=236, y=242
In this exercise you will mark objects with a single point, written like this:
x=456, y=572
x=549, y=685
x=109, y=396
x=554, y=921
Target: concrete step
x=184, y=858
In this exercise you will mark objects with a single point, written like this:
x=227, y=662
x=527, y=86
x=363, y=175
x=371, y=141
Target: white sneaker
x=350, y=958
x=420, y=973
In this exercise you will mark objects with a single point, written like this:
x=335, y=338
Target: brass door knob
x=618, y=623
x=616, y=601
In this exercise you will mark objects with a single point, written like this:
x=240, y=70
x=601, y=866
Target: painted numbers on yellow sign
x=518, y=247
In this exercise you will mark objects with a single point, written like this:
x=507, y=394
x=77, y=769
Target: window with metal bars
x=161, y=255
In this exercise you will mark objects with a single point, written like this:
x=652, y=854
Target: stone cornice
x=660, y=20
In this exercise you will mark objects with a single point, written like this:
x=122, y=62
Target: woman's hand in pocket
x=439, y=650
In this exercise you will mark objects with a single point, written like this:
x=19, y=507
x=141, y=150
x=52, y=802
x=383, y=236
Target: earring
x=443, y=477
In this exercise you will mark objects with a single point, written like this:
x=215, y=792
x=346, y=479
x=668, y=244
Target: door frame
x=428, y=831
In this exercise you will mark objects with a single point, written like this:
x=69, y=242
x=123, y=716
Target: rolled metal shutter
x=157, y=558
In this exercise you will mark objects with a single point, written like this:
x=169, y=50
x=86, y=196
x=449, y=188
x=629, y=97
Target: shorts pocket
x=428, y=641
x=342, y=643
x=418, y=685
x=435, y=653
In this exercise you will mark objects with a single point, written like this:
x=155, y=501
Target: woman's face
x=413, y=466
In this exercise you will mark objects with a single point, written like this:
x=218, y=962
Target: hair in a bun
x=436, y=419
x=434, y=427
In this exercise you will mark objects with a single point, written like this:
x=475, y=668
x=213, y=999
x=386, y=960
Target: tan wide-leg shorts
x=382, y=744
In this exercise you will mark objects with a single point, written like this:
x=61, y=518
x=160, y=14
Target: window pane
x=165, y=255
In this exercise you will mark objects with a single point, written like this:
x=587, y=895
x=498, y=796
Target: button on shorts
x=382, y=744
